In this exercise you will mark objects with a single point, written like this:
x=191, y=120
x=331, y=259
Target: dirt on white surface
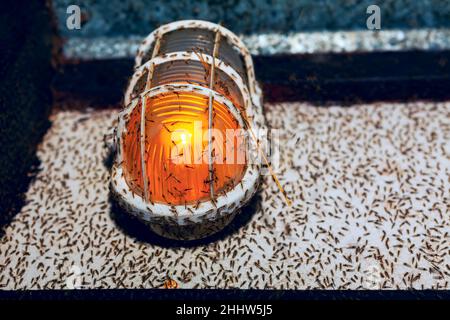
x=370, y=186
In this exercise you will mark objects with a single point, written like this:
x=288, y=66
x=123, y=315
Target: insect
x=170, y=283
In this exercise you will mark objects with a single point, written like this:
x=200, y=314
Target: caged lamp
x=183, y=148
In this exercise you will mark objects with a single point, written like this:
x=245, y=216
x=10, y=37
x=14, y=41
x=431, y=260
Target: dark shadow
x=142, y=233
x=17, y=198
x=109, y=159
x=27, y=38
x=321, y=79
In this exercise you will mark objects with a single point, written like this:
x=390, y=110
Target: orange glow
x=176, y=154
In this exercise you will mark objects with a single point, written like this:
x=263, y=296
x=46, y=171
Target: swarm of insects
x=187, y=132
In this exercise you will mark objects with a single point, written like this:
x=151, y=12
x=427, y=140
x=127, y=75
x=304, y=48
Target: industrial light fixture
x=184, y=139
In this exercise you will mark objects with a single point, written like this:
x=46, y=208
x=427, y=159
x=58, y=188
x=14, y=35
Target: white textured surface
x=371, y=192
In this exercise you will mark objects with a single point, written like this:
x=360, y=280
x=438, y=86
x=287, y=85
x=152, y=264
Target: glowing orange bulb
x=176, y=161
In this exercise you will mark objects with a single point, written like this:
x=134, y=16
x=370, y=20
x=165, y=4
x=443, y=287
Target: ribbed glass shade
x=177, y=172
x=182, y=162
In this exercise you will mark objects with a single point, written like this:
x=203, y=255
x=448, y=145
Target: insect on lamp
x=182, y=141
